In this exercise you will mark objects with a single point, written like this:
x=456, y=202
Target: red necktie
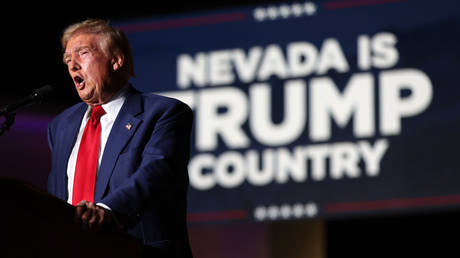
x=86, y=168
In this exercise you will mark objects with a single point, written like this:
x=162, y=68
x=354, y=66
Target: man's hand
x=91, y=216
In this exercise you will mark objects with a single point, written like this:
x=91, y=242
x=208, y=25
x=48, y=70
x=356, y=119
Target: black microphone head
x=43, y=93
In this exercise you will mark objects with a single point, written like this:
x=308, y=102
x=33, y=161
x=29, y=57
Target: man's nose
x=74, y=66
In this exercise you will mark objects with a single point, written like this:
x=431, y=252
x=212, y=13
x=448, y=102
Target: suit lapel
x=123, y=129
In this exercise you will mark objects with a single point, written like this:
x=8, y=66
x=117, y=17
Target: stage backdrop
x=313, y=109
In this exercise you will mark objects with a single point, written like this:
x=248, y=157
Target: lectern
x=37, y=224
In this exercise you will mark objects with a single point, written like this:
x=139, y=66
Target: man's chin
x=88, y=98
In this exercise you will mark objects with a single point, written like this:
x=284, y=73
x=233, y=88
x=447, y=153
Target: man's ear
x=117, y=62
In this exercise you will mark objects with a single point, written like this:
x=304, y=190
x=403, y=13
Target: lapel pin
x=128, y=126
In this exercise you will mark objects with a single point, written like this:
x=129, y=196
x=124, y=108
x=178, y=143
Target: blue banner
x=312, y=109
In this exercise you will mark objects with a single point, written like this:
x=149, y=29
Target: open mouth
x=79, y=81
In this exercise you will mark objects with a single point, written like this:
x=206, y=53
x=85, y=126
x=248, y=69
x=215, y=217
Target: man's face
x=89, y=68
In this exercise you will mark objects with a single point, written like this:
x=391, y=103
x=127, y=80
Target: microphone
x=37, y=97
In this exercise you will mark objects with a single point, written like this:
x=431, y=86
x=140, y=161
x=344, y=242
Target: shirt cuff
x=103, y=206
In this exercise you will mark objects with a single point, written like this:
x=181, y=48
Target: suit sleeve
x=163, y=168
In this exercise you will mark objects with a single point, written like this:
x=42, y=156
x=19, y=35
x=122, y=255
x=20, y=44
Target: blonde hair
x=113, y=40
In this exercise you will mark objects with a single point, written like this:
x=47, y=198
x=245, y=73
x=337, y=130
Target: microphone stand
x=8, y=112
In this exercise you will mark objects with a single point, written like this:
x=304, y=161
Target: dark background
x=32, y=31
x=32, y=58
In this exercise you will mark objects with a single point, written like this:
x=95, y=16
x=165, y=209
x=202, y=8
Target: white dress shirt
x=111, y=111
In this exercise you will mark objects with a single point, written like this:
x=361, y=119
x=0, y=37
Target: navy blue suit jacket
x=143, y=174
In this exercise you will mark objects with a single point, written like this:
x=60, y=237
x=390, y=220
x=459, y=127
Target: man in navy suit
x=120, y=156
